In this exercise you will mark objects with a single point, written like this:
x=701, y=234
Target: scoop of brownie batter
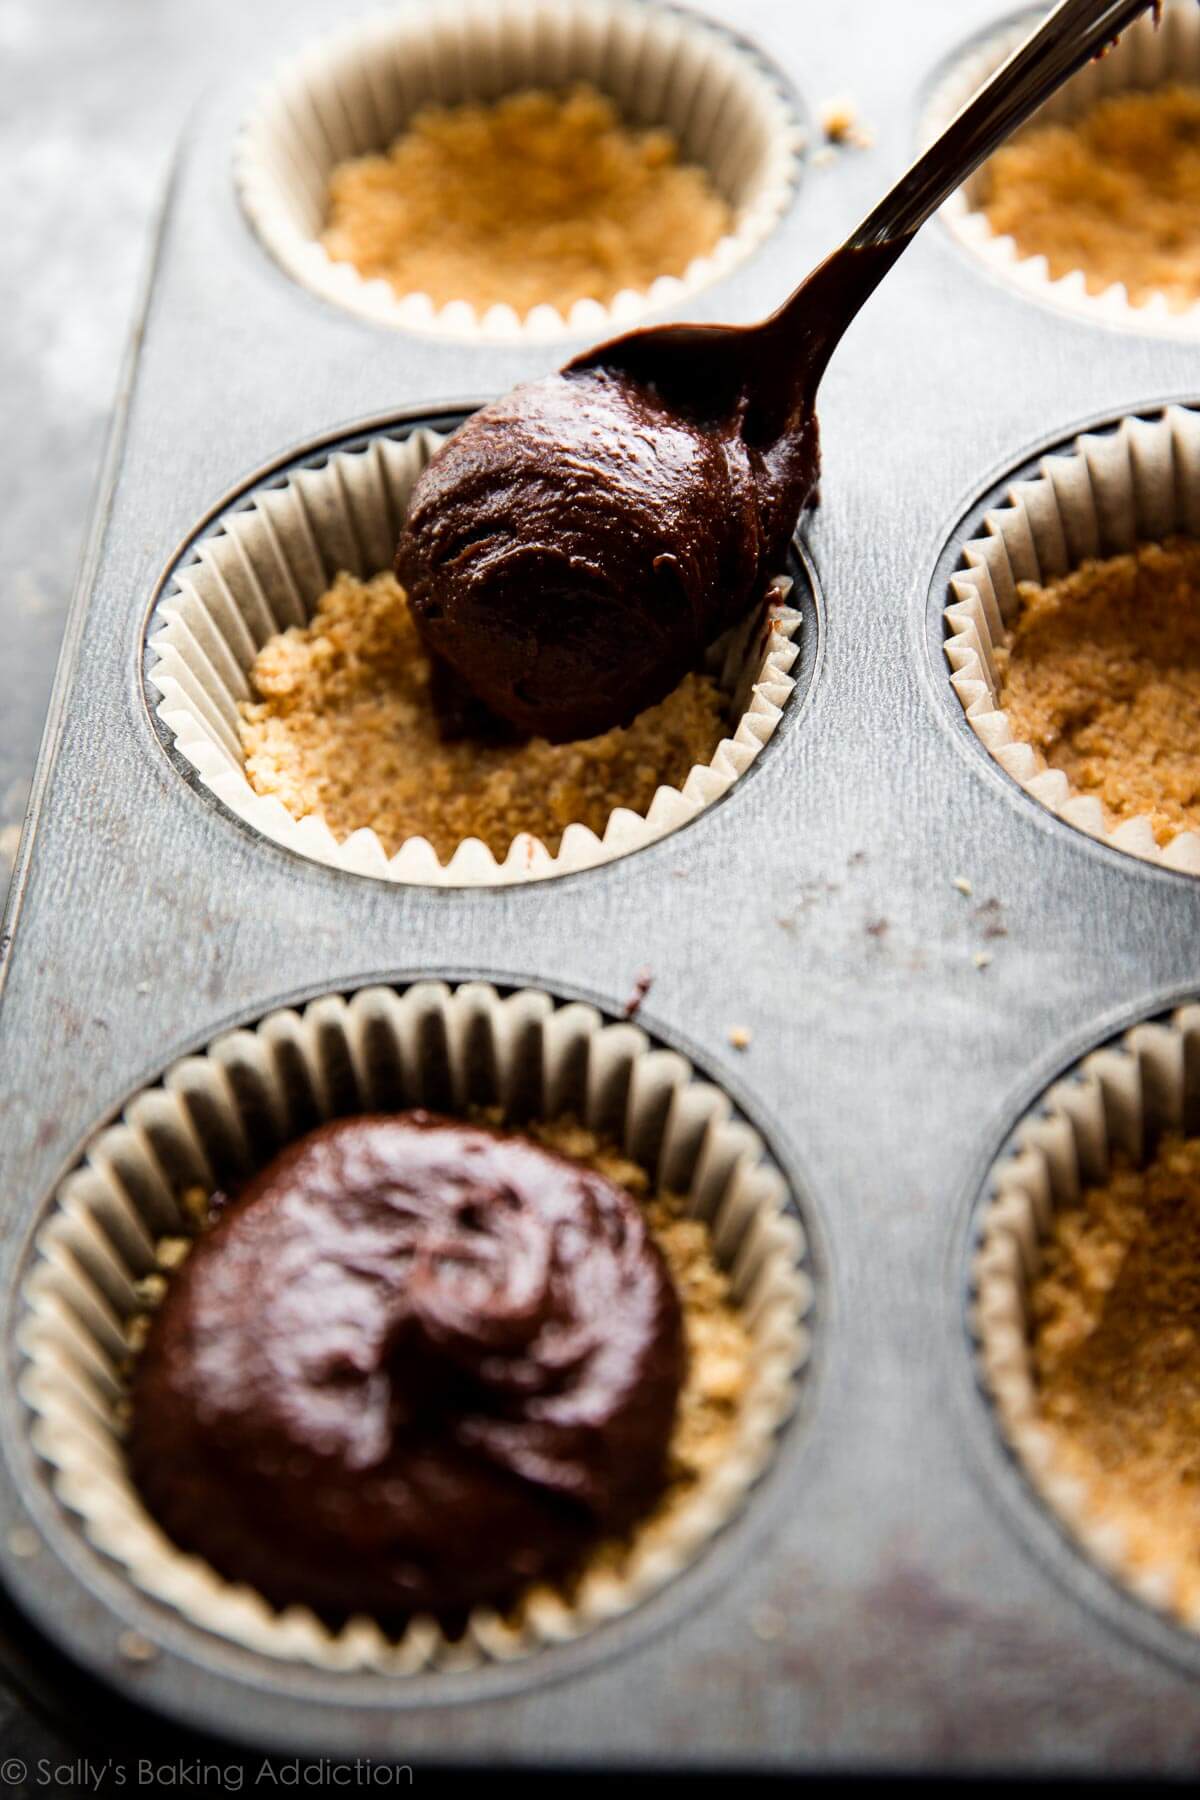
x=414, y=1365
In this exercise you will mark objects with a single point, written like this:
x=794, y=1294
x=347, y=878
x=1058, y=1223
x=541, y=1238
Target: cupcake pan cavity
x=1120, y=1099
x=1143, y=58
x=877, y=949
x=354, y=91
x=264, y=565
x=1109, y=492
x=221, y=1115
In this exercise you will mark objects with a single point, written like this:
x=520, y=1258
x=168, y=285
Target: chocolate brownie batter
x=413, y=1366
x=576, y=545
x=579, y=543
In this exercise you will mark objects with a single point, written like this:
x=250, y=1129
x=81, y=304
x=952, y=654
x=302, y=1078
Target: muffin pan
x=914, y=948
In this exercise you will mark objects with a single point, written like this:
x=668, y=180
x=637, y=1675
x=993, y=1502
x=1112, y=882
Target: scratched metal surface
x=930, y=1617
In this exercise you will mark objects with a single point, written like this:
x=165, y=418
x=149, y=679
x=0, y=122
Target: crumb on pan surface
x=1101, y=673
x=1114, y=193
x=1115, y=1311
x=344, y=728
x=840, y=124
x=536, y=198
x=720, y=1351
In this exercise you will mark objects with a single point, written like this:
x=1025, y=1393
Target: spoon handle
x=777, y=365
x=1073, y=33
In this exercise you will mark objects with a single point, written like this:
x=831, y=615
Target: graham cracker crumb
x=343, y=727
x=840, y=125
x=740, y=1036
x=1116, y=1350
x=135, y=1648
x=963, y=885
x=534, y=199
x=194, y=1203
x=1101, y=673
x=837, y=118
x=137, y=1328
x=1114, y=193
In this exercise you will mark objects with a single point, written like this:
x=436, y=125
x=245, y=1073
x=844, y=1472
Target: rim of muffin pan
x=761, y=731
x=669, y=1063
x=284, y=130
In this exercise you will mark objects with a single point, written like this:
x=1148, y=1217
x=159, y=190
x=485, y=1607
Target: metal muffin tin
x=893, y=1596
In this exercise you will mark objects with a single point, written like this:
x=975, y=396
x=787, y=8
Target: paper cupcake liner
x=1120, y=1098
x=1143, y=57
x=353, y=92
x=218, y=1116
x=266, y=566
x=1111, y=492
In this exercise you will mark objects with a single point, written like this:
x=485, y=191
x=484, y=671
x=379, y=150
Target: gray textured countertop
x=92, y=96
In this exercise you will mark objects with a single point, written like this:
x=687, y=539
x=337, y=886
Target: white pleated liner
x=267, y=567
x=1120, y=1098
x=1113, y=491
x=219, y=1116
x=353, y=92
x=1143, y=57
